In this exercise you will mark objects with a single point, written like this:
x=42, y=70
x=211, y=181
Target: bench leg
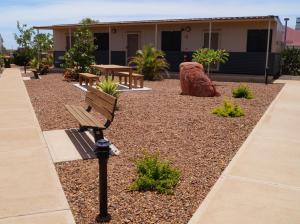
x=80, y=80
x=91, y=82
x=125, y=80
x=86, y=82
x=142, y=82
x=98, y=134
x=120, y=79
x=135, y=82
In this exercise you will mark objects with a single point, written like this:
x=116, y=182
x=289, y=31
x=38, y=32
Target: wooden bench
x=35, y=72
x=88, y=78
x=99, y=101
x=136, y=77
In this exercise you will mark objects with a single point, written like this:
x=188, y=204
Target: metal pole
x=285, y=30
x=209, y=45
x=109, y=45
x=102, y=153
x=156, y=41
x=267, y=53
x=39, y=49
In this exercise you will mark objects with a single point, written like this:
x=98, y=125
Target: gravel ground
x=181, y=128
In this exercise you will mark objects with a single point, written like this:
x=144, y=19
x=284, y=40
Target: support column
x=156, y=37
x=267, y=53
x=109, y=44
x=39, y=49
x=209, y=44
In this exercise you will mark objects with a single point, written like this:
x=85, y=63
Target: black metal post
x=102, y=153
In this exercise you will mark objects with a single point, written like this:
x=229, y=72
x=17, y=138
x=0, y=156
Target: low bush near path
x=228, y=109
x=155, y=174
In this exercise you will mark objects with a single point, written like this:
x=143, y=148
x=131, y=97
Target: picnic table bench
x=136, y=77
x=99, y=101
x=88, y=78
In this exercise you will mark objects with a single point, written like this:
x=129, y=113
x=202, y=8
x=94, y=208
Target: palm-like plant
x=150, y=62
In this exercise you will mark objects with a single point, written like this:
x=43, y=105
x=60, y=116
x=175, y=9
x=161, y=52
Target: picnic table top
x=111, y=66
x=88, y=75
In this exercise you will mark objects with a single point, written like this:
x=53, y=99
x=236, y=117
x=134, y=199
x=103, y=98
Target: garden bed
x=181, y=128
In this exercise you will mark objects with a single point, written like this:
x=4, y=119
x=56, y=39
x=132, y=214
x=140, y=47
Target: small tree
x=291, y=61
x=150, y=62
x=81, y=55
x=207, y=57
x=25, y=42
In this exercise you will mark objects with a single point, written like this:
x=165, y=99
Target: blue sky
x=48, y=12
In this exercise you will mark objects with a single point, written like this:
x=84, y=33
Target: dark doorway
x=101, y=42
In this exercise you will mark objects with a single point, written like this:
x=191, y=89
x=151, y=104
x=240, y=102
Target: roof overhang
x=163, y=22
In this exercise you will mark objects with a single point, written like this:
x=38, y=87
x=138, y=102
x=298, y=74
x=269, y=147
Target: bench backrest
x=101, y=102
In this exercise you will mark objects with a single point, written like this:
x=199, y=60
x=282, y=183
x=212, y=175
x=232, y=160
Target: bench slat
x=84, y=117
x=99, y=108
x=108, y=98
x=94, y=97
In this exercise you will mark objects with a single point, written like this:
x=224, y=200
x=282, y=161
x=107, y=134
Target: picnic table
x=114, y=70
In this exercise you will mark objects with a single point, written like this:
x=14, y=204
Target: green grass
x=155, y=174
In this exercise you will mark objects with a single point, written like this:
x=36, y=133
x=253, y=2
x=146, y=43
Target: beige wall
x=232, y=36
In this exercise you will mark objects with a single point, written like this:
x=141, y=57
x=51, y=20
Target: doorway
x=133, y=44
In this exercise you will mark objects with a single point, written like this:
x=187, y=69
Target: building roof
x=292, y=37
x=166, y=21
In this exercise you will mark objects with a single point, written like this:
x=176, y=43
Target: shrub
x=150, y=62
x=108, y=86
x=1, y=64
x=291, y=61
x=155, y=174
x=228, y=109
x=81, y=54
x=206, y=56
x=242, y=91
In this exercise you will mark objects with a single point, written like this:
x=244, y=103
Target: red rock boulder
x=195, y=82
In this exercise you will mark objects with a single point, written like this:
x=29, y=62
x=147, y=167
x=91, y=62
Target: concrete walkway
x=261, y=185
x=30, y=191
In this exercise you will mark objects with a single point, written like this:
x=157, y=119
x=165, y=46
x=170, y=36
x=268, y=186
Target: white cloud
x=61, y=12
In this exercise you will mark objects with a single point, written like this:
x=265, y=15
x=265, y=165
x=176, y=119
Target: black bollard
x=102, y=153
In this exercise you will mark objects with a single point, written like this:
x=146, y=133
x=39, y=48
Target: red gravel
x=181, y=128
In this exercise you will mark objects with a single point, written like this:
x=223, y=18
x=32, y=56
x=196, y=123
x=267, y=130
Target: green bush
x=291, y=61
x=155, y=174
x=206, y=56
x=242, y=91
x=150, y=62
x=108, y=86
x=81, y=55
x=228, y=109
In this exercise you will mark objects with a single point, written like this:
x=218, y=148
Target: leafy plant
x=207, y=57
x=150, y=62
x=81, y=55
x=291, y=61
x=1, y=63
x=242, y=91
x=155, y=174
x=109, y=86
x=31, y=45
x=228, y=109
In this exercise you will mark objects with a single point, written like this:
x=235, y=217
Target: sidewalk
x=261, y=185
x=30, y=191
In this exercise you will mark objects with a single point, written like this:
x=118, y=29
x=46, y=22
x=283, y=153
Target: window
x=257, y=40
x=214, y=44
x=68, y=42
x=101, y=41
x=171, y=41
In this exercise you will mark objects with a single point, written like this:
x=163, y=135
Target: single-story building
x=293, y=38
x=245, y=38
